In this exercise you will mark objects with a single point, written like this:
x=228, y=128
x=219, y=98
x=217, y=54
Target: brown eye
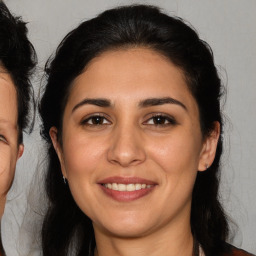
x=161, y=120
x=95, y=120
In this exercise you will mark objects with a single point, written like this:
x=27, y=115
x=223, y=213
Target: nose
x=126, y=148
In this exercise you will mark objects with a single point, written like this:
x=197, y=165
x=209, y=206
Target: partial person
x=17, y=60
x=131, y=114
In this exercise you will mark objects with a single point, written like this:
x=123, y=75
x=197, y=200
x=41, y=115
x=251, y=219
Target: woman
x=131, y=114
x=17, y=60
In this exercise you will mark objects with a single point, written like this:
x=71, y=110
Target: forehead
x=132, y=74
x=8, y=100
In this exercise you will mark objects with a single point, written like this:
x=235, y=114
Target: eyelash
x=2, y=138
x=93, y=118
x=99, y=119
x=167, y=120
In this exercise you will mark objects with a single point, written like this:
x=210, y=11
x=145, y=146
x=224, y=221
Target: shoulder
x=233, y=251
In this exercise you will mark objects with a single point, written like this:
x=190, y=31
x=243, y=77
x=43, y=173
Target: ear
x=54, y=137
x=20, y=150
x=208, y=151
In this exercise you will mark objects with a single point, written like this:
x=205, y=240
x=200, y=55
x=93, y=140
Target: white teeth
x=126, y=187
x=121, y=187
x=137, y=186
x=114, y=186
x=130, y=187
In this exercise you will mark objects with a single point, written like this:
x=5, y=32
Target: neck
x=169, y=241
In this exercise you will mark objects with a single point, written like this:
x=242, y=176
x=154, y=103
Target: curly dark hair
x=131, y=26
x=18, y=58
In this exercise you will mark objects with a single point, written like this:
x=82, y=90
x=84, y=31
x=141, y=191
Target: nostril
x=126, y=159
x=125, y=162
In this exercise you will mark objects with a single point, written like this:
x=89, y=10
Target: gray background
x=229, y=26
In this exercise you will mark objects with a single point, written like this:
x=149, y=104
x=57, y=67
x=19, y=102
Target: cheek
x=176, y=157
x=7, y=168
x=83, y=158
x=82, y=155
x=178, y=152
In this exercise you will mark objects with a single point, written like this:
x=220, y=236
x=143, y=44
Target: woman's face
x=9, y=149
x=132, y=144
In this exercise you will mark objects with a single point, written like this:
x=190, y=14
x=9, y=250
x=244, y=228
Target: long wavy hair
x=65, y=225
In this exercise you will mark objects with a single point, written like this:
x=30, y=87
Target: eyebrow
x=97, y=102
x=161, y=101
x=143, y=104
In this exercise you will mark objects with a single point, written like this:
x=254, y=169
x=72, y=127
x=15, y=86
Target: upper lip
x=127, y=180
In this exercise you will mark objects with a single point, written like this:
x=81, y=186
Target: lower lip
x=126, y=196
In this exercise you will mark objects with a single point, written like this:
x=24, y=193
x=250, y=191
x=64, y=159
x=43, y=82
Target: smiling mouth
x=126, y=187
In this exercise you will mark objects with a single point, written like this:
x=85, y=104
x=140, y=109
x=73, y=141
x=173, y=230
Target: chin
x=126, y=227
x=124, y=231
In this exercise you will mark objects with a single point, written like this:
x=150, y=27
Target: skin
x=10, y=151
x=129, y=142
